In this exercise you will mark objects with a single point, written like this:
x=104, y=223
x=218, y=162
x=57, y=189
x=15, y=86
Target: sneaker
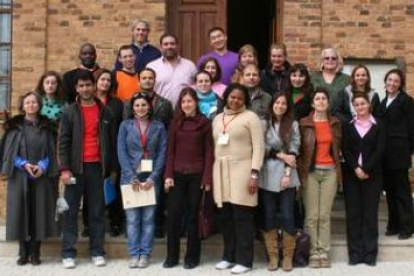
x=133, y=262
x=69, y=263
x=99, y=261
x=143, y=262
x=314, y=261
x=325, y=261
x=240, y=269
x=224, y=265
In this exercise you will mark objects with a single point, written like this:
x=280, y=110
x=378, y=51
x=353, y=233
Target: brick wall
x=47, y=33
x=380, y=29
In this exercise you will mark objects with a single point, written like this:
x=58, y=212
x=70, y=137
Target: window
x=377, y=67
x=5, y=53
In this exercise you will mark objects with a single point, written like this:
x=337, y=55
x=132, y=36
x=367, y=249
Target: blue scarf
x=206, y=102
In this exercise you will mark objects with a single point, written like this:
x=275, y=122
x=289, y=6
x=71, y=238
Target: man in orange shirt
x=127, y=78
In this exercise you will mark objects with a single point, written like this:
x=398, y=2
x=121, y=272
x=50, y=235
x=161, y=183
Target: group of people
x=255, y=139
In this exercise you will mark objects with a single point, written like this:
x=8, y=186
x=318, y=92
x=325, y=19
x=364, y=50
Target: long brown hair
x=285, y=124
x=59, y=94
x=179, y=114
x=367, y=87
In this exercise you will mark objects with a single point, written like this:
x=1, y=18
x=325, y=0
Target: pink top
x=172, y=77
x=362, y=127
x=218, y=88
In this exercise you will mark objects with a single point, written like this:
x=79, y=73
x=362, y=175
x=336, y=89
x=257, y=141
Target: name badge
x=223, y=139
x=145, y=166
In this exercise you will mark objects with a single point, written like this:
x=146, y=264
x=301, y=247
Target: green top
x=338, y=84
x=295, y=94
x=52, y=108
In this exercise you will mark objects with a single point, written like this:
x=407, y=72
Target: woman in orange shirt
x=320, y=173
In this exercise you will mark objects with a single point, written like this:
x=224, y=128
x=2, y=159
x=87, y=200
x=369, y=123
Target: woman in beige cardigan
x=239, y=153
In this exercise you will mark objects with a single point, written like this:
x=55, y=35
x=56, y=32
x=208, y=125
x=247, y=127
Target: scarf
x=207, y=103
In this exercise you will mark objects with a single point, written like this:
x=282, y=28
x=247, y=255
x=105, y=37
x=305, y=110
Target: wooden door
x=190, y=21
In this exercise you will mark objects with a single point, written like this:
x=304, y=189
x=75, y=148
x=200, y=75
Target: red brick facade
x=47, y=34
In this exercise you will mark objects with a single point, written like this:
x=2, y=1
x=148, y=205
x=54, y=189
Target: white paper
x=132, y=199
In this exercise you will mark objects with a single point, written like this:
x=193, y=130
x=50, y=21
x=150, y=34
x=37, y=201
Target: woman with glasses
x=330, y=76
x=28, y=160
x=142, y=145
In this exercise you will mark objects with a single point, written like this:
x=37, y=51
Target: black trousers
x=116, y=212
x=185, y=193
x=237, y=227
x=89, y=185
x=361, y=203
x=31, y=246
x=399, y=201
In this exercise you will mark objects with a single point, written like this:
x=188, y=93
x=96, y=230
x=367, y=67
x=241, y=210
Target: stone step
x=390, y=248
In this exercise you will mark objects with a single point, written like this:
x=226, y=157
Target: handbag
x=206, y=216
x=301, y=255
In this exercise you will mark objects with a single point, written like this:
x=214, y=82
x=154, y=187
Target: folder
x=133, y=199
x=109, y=191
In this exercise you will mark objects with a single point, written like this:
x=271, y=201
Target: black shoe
x=391, y=232
x=190, y=265
x=370, y=260
x=85, y=232
x=404, y=236
x=22, y=260
x=114, y=231
x=35, y=260
x=168, y=264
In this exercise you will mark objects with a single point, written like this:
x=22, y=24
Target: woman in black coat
x=28, y=159
x=397, y=112
x=363, y=147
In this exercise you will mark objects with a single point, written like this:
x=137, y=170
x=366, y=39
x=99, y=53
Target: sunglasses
x=330, y=58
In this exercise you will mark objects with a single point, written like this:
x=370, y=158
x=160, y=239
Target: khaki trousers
x=318, y=197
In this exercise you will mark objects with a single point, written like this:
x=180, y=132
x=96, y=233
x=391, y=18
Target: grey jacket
x=273, y=169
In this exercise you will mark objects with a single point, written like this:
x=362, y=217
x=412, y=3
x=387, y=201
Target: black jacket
x=399, y=126
x=272, y=82
x=70, y=141
x=371, y=147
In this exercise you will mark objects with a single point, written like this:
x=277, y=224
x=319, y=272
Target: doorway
x=251, y=22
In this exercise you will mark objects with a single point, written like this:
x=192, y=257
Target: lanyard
x=228, y=123
x=143, y=137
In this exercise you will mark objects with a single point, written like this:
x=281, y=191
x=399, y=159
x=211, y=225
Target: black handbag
x=302, y=249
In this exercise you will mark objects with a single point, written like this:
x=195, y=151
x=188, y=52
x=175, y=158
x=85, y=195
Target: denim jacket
x=131, y=152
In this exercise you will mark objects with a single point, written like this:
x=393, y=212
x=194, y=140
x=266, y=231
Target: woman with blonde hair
x=330, y=76
x=247, y=55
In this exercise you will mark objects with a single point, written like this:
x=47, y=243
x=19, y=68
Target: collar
x=177, y=60
x=371, y=119
x=140, y=46
x=228, y=111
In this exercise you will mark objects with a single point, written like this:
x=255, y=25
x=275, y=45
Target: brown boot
x=289, y=244
x=271, y=241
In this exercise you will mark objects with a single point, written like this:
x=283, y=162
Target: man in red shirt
x=86, y=134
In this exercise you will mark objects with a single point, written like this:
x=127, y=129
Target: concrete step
x=390, y=248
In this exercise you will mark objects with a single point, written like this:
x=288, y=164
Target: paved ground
x=52, y=267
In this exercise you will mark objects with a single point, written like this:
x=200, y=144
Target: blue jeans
x=283, y=201
x=140, y=229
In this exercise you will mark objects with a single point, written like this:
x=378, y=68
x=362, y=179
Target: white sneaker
x=224, y=265
x=99, y=261
x=239, y=269
x=69, y=263
x=143, y=261
x=133, y=262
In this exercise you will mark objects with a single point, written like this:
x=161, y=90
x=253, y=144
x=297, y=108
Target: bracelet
x=288, y=170
x=254, y=176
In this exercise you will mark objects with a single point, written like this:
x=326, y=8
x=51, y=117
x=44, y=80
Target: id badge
x=146, y=165
x=223, y=139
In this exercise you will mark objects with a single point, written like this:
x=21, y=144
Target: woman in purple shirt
x=363, y=147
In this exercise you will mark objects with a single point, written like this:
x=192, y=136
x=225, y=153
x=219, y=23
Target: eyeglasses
x=330, y=58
